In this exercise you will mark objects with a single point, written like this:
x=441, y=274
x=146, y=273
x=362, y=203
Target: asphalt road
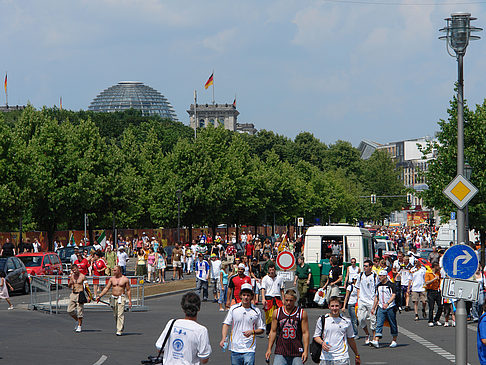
x=32, y=337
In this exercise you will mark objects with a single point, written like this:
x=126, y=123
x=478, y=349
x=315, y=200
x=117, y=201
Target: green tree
x=443, y=168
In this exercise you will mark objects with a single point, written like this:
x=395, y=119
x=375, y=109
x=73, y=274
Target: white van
x=342, y=240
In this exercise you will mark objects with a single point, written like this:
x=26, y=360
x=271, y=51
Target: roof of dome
x=133, y=94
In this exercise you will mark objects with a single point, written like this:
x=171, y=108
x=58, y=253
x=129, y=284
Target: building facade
x=214, y=115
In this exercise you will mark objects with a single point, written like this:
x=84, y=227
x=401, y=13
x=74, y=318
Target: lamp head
x=458, y=32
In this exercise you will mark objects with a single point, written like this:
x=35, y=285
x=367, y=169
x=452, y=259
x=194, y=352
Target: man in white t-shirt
x=246, y=322
x=215, y=264
x=272, y=288
x=188, y=342
x=337, y=335
x=416, y=286
x=366, y=285
x=122, y=259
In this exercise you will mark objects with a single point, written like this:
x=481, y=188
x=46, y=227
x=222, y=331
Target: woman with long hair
x=161, y=264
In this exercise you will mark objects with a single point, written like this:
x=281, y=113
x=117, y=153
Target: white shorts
x=364, y=313
x=150, y=268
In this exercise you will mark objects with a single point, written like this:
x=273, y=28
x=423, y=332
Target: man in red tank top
x=290, y=329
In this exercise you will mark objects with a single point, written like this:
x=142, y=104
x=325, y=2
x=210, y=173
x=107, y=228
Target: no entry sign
x=285, y=260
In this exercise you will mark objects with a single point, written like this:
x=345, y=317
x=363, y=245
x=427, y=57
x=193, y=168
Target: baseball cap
x=241, y=266
x=246, y=287
x=383, y=272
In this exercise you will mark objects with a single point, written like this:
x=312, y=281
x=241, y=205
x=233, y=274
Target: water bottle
x=225, y=345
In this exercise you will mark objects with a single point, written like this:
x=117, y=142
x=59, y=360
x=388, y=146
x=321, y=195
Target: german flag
x=5, y=84
x=209, y=82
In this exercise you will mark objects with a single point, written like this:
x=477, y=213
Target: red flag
x=5, y=82
x=234, y=102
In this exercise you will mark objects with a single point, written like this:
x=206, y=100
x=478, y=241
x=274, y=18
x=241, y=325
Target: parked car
x=42, y=263
x=15, y=273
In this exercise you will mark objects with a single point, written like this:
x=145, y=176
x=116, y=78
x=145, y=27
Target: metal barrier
x=51, y=293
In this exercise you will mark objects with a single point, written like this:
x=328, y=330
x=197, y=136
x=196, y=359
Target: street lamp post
x=178, y=192
x=458, y=34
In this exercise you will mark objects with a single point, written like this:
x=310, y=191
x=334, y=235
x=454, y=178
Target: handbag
x=160, y=357
x=82, y=297
x=316, y=349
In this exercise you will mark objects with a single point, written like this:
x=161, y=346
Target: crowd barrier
x=50, y=293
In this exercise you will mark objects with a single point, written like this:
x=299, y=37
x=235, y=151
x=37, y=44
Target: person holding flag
x=272, y=294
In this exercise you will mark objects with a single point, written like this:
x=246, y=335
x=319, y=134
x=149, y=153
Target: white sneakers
x=393, y=344
x=438, y=323
x=375, y=344
x=11, y=307
x=367, y=341
x=431, y=324
x=446, y=324
x=118, y=333
x=78, y=329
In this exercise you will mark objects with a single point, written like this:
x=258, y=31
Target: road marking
x=438, y=350
x=101, y=360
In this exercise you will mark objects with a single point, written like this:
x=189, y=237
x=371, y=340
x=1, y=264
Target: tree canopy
x=56, y=165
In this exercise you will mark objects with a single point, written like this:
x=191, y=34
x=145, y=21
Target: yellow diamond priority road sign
x=460, y=191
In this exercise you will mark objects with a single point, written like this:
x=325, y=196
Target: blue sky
x=337, y=69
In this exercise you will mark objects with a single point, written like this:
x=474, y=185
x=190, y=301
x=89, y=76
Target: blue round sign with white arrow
x=460, y=262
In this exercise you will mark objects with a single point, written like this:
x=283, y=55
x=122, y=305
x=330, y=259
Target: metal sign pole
x=461, y=332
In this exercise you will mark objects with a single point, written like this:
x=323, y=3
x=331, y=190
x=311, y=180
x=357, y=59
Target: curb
x=160, y=295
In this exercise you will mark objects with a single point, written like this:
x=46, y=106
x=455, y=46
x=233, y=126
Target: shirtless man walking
x=75, y=309
x=120, y=288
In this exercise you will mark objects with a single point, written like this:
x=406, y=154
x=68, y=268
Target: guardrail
x=50, y=293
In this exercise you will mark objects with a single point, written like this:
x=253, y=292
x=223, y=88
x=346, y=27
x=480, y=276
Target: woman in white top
x=353, y=271
x=4, y=290
x=188, y=342
x=350, y=304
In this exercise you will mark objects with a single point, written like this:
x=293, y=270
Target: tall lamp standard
x=178, y=193
x=458, y=34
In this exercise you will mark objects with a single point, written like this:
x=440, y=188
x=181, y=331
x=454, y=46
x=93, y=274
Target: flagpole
x=195, y=114
x=213, y=87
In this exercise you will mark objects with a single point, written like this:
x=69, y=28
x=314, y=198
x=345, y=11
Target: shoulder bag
x=315, y=348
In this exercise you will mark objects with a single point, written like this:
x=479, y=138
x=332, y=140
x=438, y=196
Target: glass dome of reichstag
x=133, y=94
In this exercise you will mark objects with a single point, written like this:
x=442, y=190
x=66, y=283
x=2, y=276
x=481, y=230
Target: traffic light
x=373, y=198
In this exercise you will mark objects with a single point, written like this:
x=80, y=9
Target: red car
x=41, y=263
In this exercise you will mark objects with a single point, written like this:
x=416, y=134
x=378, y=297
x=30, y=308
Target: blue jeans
x=287, y=360
x=389, y=314
x=242, y=358
x=354, y=319
x=223, y=293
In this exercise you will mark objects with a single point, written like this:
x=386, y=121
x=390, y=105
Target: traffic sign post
x=285, y=260
x=460, y=191
x=460, y=262
x=460, y=289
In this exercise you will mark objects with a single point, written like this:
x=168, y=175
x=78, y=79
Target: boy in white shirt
x=246, y=322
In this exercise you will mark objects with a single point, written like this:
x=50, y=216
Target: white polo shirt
x=243, y=319
x=337, y=330
x=272, y=286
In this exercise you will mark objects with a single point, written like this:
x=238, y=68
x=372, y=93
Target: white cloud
x=220, y=40
x=315, y=25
